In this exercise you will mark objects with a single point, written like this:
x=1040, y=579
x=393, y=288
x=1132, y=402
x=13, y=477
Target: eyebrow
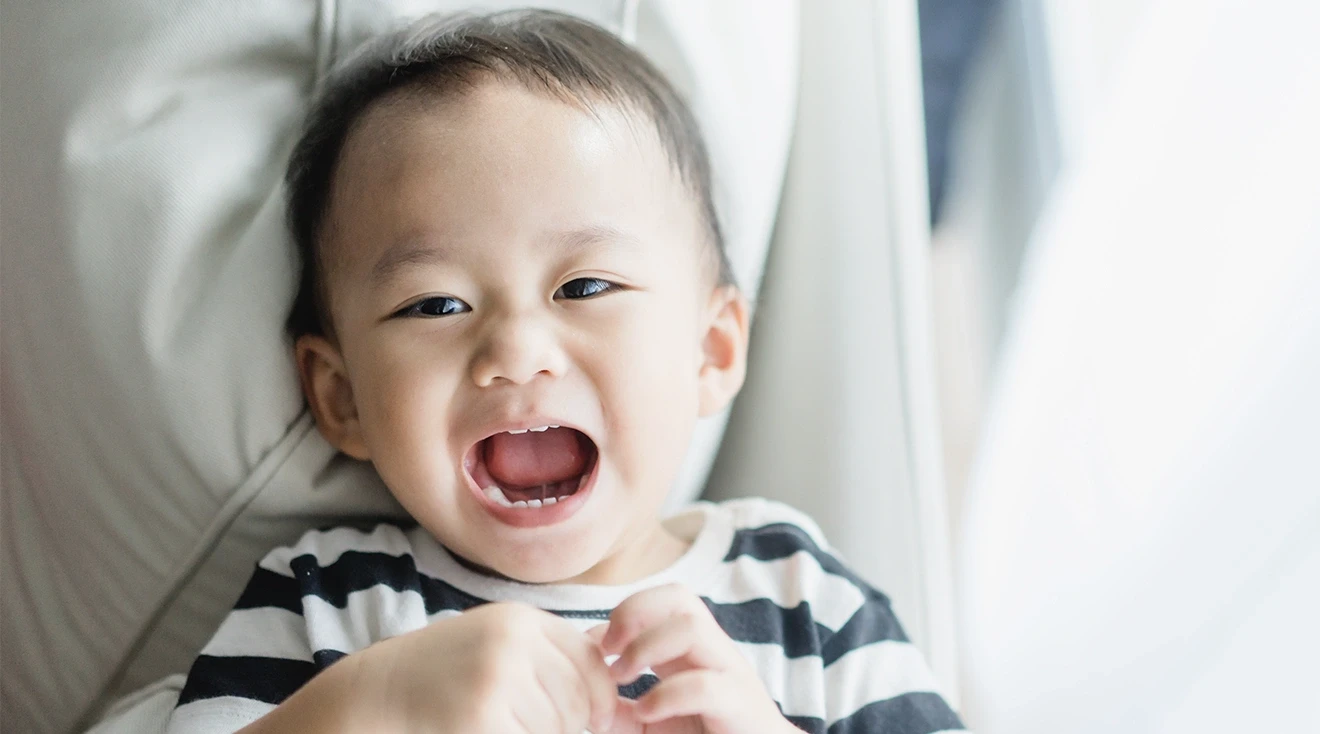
x=409, y=253
x=418, y=251
x=595, y=234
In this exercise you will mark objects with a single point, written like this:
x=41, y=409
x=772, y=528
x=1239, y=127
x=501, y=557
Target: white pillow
x=154, y=440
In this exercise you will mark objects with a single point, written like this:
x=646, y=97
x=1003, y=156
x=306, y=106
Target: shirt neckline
x=713, y=537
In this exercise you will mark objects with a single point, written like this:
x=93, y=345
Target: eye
x=584, y=288
x=433, y=307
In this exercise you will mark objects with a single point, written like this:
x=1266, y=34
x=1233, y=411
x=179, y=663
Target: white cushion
x=154, y=440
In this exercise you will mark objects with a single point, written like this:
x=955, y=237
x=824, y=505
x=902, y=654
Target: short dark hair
x=543, y=50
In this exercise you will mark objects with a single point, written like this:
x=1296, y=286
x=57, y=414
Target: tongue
x=532, y=459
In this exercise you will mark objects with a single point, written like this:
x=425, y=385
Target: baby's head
x=506, y=223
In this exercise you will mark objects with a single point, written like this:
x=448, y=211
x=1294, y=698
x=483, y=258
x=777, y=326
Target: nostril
x=517, y=352
x=492, y=375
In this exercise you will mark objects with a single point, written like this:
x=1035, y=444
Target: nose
x=516, y=350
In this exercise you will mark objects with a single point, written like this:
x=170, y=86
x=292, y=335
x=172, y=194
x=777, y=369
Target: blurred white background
x=1126, y=284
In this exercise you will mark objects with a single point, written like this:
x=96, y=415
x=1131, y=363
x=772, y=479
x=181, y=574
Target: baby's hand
x=494, y=669
x=706, y=685
x=514, y=668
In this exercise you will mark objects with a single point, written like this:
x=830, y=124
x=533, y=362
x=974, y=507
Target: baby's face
x=503, y=262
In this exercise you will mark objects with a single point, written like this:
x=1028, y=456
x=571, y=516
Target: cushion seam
x=266, y=469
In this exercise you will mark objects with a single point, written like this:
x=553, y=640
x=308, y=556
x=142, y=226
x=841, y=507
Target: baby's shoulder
x=769, y=529
x=780, y=569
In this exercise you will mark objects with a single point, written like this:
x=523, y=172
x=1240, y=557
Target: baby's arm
x=851, y=668
x=274, y=665
x=878, y=680
x=259, y=656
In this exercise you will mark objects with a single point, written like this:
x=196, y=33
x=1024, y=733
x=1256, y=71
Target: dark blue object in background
x=951, y=32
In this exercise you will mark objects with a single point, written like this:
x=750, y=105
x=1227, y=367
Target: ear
x=329, y=394
x=724, y=350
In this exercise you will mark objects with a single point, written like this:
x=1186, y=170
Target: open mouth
x=532, y=468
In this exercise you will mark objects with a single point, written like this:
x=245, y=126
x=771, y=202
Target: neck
x=652, y=553
x=655, y=551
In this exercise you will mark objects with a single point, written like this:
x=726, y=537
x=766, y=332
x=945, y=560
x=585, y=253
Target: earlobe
x=329, y=394
x=724, y=350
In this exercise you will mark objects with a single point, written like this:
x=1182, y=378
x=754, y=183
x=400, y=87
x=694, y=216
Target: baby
x=515, y=304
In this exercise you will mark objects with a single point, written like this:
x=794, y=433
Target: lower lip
x=535, y=517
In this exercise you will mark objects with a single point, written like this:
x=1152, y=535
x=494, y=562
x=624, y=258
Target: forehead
x=498, y=163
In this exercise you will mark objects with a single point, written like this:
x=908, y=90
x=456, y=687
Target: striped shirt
x=825, y=643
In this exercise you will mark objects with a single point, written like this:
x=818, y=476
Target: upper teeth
x=538, y=429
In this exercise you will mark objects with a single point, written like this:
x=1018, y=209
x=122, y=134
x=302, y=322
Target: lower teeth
x=497, y=496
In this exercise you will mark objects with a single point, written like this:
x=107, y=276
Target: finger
x=677, y=641
x=526, y=722
x=559, y=684
x=705, y=693
x=625, y=720
x=592, y=677
x=597, y=634
x=644, y=610
x=535, y=709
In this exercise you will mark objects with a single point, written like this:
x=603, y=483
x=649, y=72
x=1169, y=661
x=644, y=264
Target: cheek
x=404, y=405
x=404, y=395
x=648, y=374
x=657, y=344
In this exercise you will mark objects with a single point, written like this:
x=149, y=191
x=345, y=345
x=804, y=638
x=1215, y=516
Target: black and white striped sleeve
x=297, y=616
x=258, y=657
x=847, y=665
x=881, y=680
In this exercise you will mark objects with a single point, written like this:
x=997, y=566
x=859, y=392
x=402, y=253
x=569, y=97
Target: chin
x=545, y=566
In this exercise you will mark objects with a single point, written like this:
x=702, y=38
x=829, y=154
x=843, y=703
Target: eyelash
x=418, y=309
